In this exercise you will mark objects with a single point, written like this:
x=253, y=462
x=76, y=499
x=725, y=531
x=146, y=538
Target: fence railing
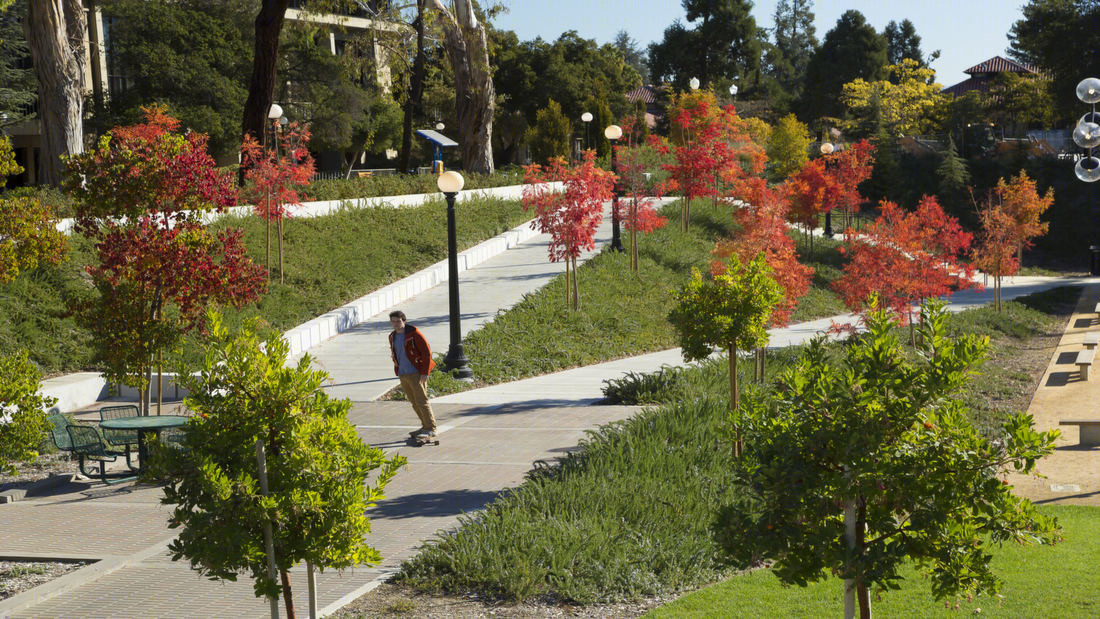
x=340, y=175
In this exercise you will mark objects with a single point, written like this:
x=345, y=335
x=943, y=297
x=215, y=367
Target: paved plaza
x=490, y=438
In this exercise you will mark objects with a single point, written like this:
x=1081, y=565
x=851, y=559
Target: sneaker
x=425, y=435
x=420, y=431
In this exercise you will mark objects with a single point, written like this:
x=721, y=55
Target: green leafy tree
x=861, y=465
x=1017, y=103
x=730, y=311
x=851, y=50
x=788, y=147
x=246, y=394
x=1061, y=38
x=28, y=230
x=910, y=101
x=192, y=56
x=22, y=411
x=722, y=45
x=549, y=138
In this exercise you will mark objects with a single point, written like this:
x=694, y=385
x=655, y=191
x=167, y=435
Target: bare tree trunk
x=55, y=33
x=265, y=61
x=288, y=600
x=475, y=97
x=576, y=288
x=416, y=91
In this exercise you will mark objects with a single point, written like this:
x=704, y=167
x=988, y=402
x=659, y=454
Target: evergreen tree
x=852, y=49
x=903, y=42
x=17, y=87
x=953, y=176
x=549, y=137
x=1061, y=38
x=884, y=176
x=796, y=41
x=723, y=44
x=632, y=54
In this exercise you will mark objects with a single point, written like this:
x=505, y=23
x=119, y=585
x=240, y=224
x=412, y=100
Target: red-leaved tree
x=828, y=183
x=904, y=258
x=275, y=176
x=713, y=153
x=141, y=196
x=570, y=216
x=640, y=216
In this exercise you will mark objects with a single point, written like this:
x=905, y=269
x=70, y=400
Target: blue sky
x=965, y=31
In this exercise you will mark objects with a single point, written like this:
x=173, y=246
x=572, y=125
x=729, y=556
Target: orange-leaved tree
x=903, y=258
x=640, y=216
x=275, y=175
x=570, y=216
x=1010, y=222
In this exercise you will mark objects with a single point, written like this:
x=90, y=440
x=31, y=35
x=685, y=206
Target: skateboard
x=420, y=441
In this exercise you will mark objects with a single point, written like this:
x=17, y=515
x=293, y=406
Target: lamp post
x=456, y=363
x=586, y=118
x=1087, y=136
x=613, y=133
x=733, y=91
x=827, y=148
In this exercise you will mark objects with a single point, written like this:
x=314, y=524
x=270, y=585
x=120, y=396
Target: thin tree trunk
x=735, y=402
x=475, y=97
x=415, y=96
x=55, y=34
x=288, y=598
x=265, y=61
x=576, y=287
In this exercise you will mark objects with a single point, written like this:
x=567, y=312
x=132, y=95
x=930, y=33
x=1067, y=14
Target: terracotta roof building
x=982, y=74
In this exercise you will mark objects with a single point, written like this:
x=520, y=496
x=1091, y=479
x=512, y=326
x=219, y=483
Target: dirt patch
x=391, y=601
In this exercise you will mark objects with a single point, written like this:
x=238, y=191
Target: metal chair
x=87, y=444
x=121, y=438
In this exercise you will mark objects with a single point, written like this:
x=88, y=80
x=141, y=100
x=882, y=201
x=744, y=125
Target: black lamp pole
x=827, y=149
x=455, y=362
x=613, y=133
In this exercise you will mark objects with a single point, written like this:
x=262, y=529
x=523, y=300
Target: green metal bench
x=88, y=445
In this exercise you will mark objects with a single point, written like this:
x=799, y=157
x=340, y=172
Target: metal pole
x=455, y=362
x=616, y=241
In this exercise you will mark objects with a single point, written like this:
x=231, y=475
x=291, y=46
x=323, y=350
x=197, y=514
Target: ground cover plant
x=638, y=502
x=622, y=313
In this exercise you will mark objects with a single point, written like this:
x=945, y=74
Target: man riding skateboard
x=412, y=363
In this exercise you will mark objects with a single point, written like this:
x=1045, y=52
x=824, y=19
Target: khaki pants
x=418, y=396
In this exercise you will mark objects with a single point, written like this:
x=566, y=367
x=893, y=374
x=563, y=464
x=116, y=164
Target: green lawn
x=1049, y=582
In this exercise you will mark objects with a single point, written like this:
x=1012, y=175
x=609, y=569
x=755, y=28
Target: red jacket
x=416, y=349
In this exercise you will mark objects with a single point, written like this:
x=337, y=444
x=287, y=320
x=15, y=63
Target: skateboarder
x=412, y=362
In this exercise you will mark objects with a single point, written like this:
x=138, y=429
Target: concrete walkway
x=490, y=438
